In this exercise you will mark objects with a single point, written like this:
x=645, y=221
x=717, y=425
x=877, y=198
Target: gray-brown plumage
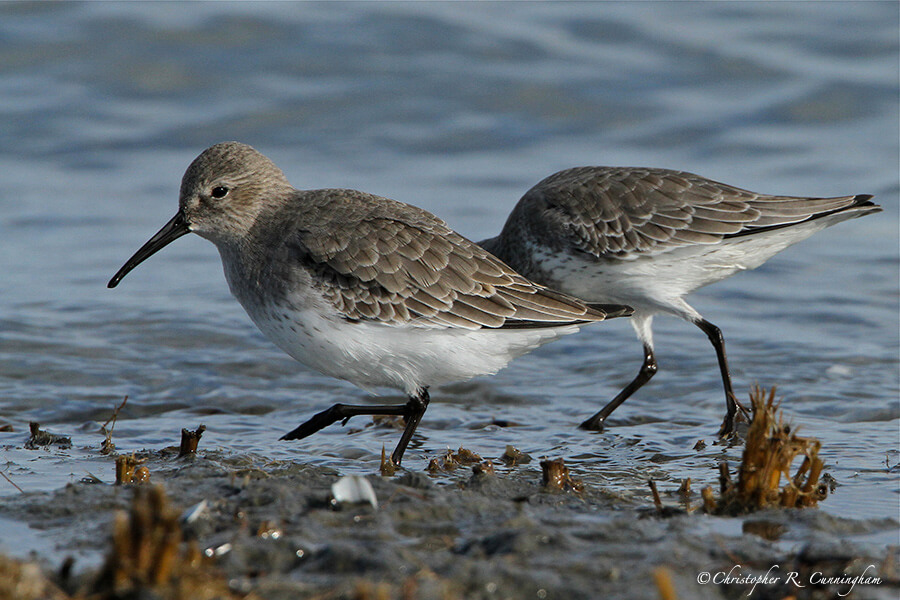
x=621, y=212
x=363, y=288
x=376, y=259
x=648, y=237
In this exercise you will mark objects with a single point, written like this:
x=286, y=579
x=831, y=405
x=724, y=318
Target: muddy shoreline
x=272, y=529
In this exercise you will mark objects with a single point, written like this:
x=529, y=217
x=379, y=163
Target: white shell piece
x=354, y=489
x=195, y=512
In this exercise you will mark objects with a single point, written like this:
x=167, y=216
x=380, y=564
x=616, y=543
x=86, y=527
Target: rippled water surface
x=458, y=110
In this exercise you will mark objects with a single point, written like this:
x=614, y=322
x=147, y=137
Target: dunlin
x=362, y=288
x=647, y=238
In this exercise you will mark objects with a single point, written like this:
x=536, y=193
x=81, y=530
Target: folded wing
x=397, y=264
x=613, y=212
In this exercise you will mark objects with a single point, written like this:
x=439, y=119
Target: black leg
x=415, y=411
x=718, y=341
x=412, y=412
x=648, y=370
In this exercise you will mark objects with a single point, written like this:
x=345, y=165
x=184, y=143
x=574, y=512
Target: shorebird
x=362, y=288
x=647, y=238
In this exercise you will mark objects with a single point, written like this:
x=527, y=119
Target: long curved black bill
x=170, y=232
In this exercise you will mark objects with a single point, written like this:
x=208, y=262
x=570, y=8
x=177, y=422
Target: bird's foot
x=595, y=423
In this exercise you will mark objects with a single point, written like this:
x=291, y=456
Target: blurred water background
x=458, y=109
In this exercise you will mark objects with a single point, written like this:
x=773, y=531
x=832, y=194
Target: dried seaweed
x=769, y=453
x=129, y=469
x=190, y=440
x=450, y=461
x=40, y=437
x=149, y=559
x=556, y=477
x=107, y=446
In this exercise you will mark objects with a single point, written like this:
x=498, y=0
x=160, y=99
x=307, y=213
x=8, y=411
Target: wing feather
x=614, y=212
x=389, y=262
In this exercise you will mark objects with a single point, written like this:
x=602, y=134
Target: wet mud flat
x=213, y=524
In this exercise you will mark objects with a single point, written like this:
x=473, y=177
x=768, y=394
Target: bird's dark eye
x=219, y=191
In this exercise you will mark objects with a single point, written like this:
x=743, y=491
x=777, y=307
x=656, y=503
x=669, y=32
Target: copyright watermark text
x=775, y=576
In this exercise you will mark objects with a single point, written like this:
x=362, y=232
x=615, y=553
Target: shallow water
x=458, y=111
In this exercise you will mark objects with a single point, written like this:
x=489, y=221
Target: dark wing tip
x=611, y=311
x=864, y=200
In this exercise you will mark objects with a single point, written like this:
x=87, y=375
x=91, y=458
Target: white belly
x=659, y=282
x=409, y=358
